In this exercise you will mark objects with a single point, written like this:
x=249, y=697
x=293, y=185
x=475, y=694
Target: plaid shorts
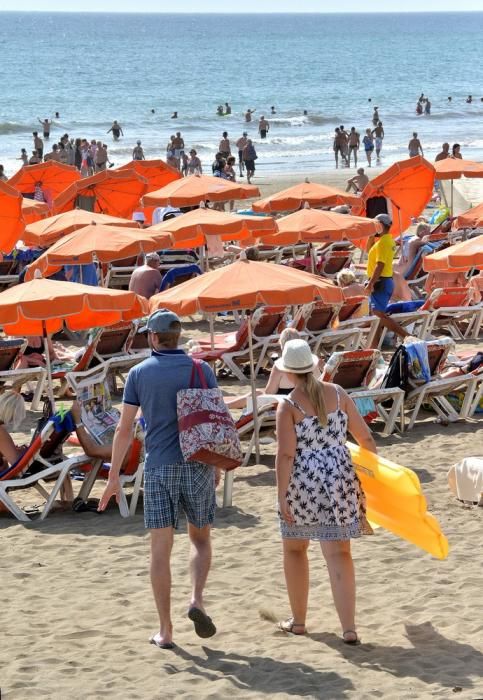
x=190, y=485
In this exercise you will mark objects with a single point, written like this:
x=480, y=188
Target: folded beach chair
x=13, y=479
x=450, y=310
x=411, y=315
x=10, y=353
x=354, y=371
x=435, y=391
x=118, y=274
x=100, y=419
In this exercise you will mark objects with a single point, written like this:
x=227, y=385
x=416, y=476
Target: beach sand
x=77, y=609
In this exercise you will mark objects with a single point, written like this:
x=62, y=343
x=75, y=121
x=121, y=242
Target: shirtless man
x=444, y=152
x=34, y=159
x=177, y=143
x=116, y=130
x=354, y=143
x=378, y=134
x=46, y=123
x=248, y=114
x=54, y=154
x=358, y=182
x=339, y=146
x=414, y=146
x=227, y=108
x=224, y=147
x=240, y=144
x=263, y=127
x=375, y=116
x=38, y=144
x=138, y=152
x=101, y=157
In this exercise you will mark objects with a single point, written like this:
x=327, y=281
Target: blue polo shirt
x=153, y=385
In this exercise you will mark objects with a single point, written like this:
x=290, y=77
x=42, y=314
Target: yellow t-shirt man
x=382, y=251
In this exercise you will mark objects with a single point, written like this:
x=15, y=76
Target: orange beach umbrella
x=312, y=193
x=52, y=176
x=97, y=242
x=32, y=210
x=190, y=229
x=244, y=285
x=473, y=218
x=11, y=221
x=41, y=306
x=454, y=168
x=156, y=172
x=191, y=190
x=44, y=233
x=408, y=185
x=461, y=256
x=318, y=226
x=113, y=192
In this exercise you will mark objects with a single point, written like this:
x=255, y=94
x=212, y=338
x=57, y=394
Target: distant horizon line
x=255, y=12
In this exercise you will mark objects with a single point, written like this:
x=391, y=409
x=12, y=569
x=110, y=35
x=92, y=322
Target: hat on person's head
x=139, y=216
x=384, y=219
x=153, y=257
x=138, y=143
x=297, y=358
x=161, y=321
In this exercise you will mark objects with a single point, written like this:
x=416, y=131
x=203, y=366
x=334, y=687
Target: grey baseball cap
x=384, y=219
x=161, y=321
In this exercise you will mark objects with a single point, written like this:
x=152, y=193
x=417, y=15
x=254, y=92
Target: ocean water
x=93, y=68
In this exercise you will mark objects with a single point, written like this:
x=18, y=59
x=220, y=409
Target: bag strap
x=201, y=375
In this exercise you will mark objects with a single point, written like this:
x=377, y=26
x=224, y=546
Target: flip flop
x=204, y=625
x=352, y=642
x=289, y=625
x=161, y=645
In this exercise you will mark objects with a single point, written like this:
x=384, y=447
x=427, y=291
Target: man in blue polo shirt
x=169, y=481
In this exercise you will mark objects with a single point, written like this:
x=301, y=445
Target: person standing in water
x=378, y=134
x=354, y=143
x=375, y=116
x=138, y=152
x=263, y=127
x=46, y=124
x=248, y=115
x=116, y=130
x=240, y=144
x=414, y=146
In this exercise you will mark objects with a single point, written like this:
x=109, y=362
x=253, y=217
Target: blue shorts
x=382, y=294
x=190, y=485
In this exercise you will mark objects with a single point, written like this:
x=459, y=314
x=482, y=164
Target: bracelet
x=79, y=425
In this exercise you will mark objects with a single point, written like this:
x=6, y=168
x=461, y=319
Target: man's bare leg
x=389, y=323
x=161, y=546
x=200, y=562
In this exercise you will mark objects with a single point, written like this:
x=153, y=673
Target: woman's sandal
x=351, y=642
x=289, y=627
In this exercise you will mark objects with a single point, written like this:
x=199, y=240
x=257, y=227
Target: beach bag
x=207, y=432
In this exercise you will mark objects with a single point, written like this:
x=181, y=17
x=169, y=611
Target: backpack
x=397, y=374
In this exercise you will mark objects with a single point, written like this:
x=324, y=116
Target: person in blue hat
x=169, y=482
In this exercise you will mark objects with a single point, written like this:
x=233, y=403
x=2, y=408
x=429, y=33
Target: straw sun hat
x=297, y=358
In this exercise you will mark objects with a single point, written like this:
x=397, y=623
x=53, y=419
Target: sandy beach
x=78, y=609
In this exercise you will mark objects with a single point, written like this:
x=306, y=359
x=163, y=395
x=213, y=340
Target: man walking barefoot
x=169, y=481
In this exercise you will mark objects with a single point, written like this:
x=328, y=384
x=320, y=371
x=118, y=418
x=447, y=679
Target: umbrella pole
x=451, y=205
x=253, y=390
x=211, y=319
x=50, y=384
x=312, y=258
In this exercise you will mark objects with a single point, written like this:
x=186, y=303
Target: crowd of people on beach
x=91, y=156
